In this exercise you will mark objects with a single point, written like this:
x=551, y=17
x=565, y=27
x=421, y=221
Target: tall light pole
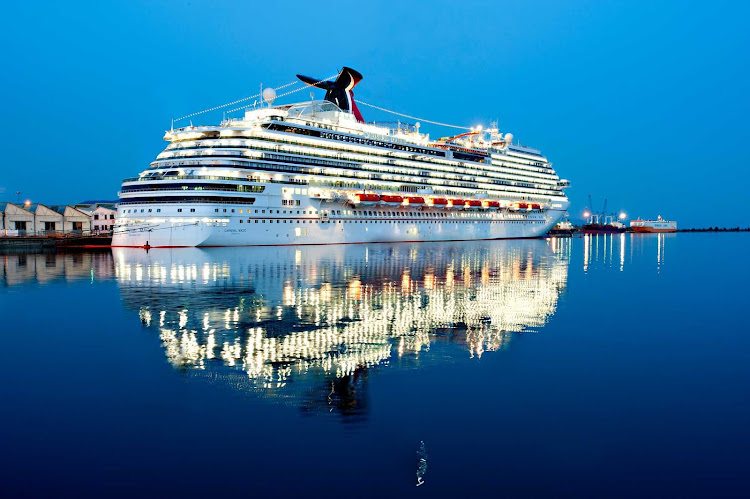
x=18, y=197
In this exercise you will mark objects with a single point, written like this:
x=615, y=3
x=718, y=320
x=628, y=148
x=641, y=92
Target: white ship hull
x=316, y=173
x=235, y=229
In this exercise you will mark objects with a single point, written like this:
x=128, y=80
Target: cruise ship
x=316, y=173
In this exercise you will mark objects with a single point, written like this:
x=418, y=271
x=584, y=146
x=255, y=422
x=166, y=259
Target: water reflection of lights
x=602, y=247
x=283, y=315
x=607, y=242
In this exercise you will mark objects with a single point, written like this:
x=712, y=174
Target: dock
x=50, y=242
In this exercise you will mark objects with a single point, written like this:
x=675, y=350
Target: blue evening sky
x=643, y=103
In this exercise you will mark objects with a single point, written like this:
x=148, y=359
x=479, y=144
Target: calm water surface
x=610, y=365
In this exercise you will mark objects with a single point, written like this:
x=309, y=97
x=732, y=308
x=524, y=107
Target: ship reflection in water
x=308, y=324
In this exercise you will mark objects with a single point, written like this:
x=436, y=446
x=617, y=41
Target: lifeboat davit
x=391, y=200
x=437, y=203
x=456, y=203
x=366, y=199
x=491, y=205
x=473, y=204
x=415, y=200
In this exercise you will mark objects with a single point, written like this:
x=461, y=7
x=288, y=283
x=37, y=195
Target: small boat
x=491, y=205
x=413, y=200
x=391, y=200
x=437, y=203
x=562, y=228
x=456, y=203
x=366, y=199
x=519, y=206
x=473, y=204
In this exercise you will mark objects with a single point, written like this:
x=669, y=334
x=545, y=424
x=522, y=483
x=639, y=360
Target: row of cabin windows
x=169, y=153
x=338, y=212
x=542, y=168
x=368, y=213
x=104, y=217
x=450, y=177
x=158, y=210
x=278, y=221
x=356, y=172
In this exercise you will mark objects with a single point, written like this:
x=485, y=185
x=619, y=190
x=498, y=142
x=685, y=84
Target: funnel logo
x=340, y=91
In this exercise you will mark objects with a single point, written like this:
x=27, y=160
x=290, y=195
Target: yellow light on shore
x=586, y=214
x=622, y=216
x=27, y=202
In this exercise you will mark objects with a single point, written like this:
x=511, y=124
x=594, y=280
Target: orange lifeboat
x=415, y=200
x=437, y=203
x=473, y=204
x=535, y=206
x=491, y=205
x=391, y=200
x=366, y=199
x=456, y=203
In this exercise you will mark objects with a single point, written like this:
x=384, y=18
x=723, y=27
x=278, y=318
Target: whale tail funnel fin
x=339, y=92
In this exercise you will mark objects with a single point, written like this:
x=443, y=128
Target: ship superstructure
x=314, y=172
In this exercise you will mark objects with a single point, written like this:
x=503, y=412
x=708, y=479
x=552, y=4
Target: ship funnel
x=340, y=91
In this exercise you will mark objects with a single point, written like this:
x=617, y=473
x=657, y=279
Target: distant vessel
x=315, y=173
x=658, y=225
x=607, y=224
x=563, y=228
x=614, y=227
x=597, y=223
